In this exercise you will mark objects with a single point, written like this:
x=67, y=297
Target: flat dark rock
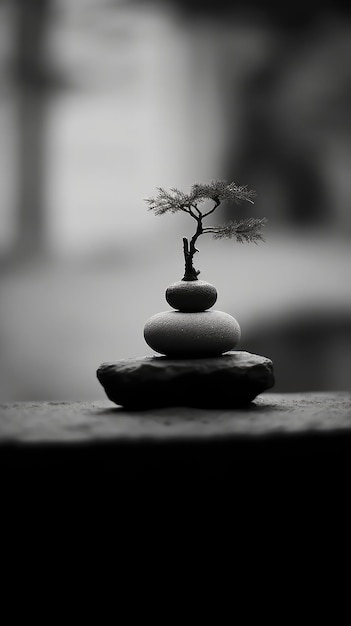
x=228, y=381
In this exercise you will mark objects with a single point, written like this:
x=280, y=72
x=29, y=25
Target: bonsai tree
x=246, y=230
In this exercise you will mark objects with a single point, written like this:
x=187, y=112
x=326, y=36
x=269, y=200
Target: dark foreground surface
x=269, y=477
x=278, y=432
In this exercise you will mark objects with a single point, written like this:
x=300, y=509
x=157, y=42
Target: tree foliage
x=176, y=200
x=244, y=231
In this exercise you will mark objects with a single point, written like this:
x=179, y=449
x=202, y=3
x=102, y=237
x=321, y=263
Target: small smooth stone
x=228, y=381
x=191, y=295
x=184, y=335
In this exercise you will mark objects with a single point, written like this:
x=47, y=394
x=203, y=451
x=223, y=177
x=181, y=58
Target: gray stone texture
x=190, y=335
x=231, y=380
x=190, y=296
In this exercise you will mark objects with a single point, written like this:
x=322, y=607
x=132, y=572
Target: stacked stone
x=199, y=367
x=192, y=331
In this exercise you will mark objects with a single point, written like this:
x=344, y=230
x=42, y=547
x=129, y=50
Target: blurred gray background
x=101, y=101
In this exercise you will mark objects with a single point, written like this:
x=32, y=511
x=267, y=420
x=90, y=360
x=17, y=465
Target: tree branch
x=218, y=202
x=197, y=209
x=193, y=214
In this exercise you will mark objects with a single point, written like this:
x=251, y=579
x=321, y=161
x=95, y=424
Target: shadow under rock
x=244, y=408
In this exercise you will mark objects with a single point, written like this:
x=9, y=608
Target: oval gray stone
x=229, y=381
x=191, y=295
x=184, y=335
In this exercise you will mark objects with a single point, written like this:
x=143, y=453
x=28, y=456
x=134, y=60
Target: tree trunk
x=190, y=272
